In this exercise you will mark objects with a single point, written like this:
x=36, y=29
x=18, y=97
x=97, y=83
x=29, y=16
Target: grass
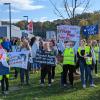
x=55, y=92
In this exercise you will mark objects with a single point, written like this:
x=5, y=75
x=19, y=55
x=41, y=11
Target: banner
x=69, y=33
x=4, y=68
x=45, y=58
x=50, y=35
x=90, y=30
x=19, y=59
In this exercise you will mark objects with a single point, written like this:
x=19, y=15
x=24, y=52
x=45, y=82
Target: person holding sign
x=68, y=64
x=4, y=71
x=45, y=67
x=54, y=52
x=25, y=72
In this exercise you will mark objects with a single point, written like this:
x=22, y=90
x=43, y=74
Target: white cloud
x=13, y=20
x=13, y=11
x=23, y=4
x=43, y=19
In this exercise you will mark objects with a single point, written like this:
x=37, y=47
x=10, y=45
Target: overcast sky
x=38, y=10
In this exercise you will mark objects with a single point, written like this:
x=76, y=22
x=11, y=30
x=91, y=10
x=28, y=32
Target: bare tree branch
x=66, y=8
x=87, y=4
x=78, y=5
x=70, y=7
x=57, y=9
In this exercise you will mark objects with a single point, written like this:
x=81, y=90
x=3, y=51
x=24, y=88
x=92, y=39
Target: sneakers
x=5, y=92
x=84, y=86
x=42, y=84
x=49, y=85
x=93, y=85
x=52, y=80
x=96, y=75
x=65, y=85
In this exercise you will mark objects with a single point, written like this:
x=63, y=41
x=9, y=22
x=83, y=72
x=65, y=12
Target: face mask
x=67, y=47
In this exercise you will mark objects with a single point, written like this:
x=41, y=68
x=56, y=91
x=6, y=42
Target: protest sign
x=19, y=59
x=45, y=58
x=4, y=68
x=90, y=30
x=69, y=33
x=51, y=35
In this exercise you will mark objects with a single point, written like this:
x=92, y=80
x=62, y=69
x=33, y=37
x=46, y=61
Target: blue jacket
x=6, y=45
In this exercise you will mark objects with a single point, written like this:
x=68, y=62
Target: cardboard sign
x=45, y=58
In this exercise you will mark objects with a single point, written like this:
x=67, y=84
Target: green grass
x=55, y=92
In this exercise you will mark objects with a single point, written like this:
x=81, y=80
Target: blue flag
x=90, y=30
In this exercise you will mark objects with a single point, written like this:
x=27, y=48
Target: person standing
x=83, y=51
x=25, y=47
x=6, y=44
x=45, y=67
x=68, y=64
x=54, y=52
x=5, y=77
x=35, y=47
x=82, y=62
x=96, y=53
x=89, y=67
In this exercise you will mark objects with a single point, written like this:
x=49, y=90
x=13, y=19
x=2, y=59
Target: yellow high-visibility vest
x=96, y=52
x=87, y=50
x=1, y=76
x=69, y=56
x=89, y=60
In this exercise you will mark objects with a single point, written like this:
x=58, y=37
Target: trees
x=70, y=7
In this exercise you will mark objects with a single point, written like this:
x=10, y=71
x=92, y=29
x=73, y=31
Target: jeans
x=24, y=72
x=86, y=73
x=89, y=71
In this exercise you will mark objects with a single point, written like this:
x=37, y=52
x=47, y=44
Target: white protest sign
x=50, y=35
x=69, y=33
x=3, y=56
x=19, y=59
x=4, y=68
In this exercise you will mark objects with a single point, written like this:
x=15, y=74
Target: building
x=5, y=30
x=15, y=31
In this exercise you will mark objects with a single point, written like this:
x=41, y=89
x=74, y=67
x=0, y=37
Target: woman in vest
x=89, y=68
x=68, y=64
x=82, y=62
x=96, y=54
x=83, y=52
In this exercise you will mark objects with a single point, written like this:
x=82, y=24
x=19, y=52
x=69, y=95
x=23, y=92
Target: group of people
x=84, y=60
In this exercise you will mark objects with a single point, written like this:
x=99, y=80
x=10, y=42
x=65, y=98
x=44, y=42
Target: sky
x=38, y=10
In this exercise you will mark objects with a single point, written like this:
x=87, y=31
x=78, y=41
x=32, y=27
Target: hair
x=33, y=39
x=25, y=44
x=53, y=42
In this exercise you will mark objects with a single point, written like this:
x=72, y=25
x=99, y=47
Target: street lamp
x=27, y=20
x=9, y=4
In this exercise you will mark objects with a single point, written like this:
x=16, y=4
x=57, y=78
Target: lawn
x=55, y=92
